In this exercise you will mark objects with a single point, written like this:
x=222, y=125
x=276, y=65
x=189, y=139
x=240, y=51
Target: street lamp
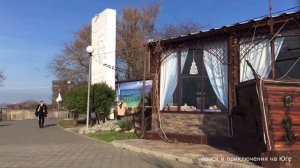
x=90, y=51
x=69, y=85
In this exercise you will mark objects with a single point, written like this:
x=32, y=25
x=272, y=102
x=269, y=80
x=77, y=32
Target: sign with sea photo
x=132, y=92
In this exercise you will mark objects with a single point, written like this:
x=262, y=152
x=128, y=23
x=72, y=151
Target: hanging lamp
x=193, y=69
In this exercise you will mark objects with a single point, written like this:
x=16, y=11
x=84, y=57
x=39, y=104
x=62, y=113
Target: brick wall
x=215, y=124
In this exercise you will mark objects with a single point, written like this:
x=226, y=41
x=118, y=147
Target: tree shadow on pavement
x=49, y=125
x=2, y=125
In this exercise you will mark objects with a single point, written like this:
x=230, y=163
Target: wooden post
x=202, y=83
x=230, y=73
x=271, y=24
x=179, y=81
x=272, y=52
x=155, y=70
x=143, y=98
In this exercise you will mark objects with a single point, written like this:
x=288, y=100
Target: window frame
x=181, y=76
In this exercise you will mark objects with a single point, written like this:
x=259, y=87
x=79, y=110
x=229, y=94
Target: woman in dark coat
x=41, y=112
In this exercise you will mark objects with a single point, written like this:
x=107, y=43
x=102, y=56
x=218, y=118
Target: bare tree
x=182, y=28
x=72, y=63
x=2, y=77
x=134, y=27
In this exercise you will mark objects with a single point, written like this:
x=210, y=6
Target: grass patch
x=66, y=123
x=109, y=136
x=70, y=124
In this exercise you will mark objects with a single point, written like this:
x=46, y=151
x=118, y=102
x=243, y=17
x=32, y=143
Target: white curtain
x=259, y=55
x=169, y=76
x=215, y=61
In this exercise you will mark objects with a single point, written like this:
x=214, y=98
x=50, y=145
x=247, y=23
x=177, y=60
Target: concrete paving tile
x=52, y=147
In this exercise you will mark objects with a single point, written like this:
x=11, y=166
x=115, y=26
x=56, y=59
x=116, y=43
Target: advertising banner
x=132, y=92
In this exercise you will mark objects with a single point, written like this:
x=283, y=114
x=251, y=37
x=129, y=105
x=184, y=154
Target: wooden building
x=195, y=76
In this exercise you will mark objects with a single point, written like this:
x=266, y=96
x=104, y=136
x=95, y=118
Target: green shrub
x=102, y=98
x=126, y=123
x=76, y=98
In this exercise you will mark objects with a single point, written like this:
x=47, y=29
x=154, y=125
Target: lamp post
x=69, y=85
x=89, y=50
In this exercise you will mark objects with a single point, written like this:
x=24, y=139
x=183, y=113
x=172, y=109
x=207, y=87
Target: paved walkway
x=198, y=154
x=24, y=145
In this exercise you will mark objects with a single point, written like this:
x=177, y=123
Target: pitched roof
x=235, y=26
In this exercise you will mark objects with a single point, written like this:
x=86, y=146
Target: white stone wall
x=104, y=43
x=28, y=114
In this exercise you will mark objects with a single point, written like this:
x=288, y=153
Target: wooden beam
x=179, y=81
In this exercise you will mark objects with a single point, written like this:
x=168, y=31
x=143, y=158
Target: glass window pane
x=192, y=57
x=212, y=102
x=288, y=55
x=196, y=97
x=191, y=95
x=191, y=81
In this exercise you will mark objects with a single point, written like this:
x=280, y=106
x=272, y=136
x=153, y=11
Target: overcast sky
x=31, y=31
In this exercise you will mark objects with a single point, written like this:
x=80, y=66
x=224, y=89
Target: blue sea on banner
x=132, y=97
x=132, y=91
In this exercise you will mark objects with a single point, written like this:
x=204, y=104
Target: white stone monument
x=104, y=43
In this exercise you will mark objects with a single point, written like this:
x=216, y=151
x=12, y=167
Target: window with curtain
x=198, y=93
x=193, y=84
x=215, y=55
x=258, y=53
x=169, y=78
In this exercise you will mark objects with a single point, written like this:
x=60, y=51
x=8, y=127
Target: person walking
x=121, y=109
x=41, y=112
